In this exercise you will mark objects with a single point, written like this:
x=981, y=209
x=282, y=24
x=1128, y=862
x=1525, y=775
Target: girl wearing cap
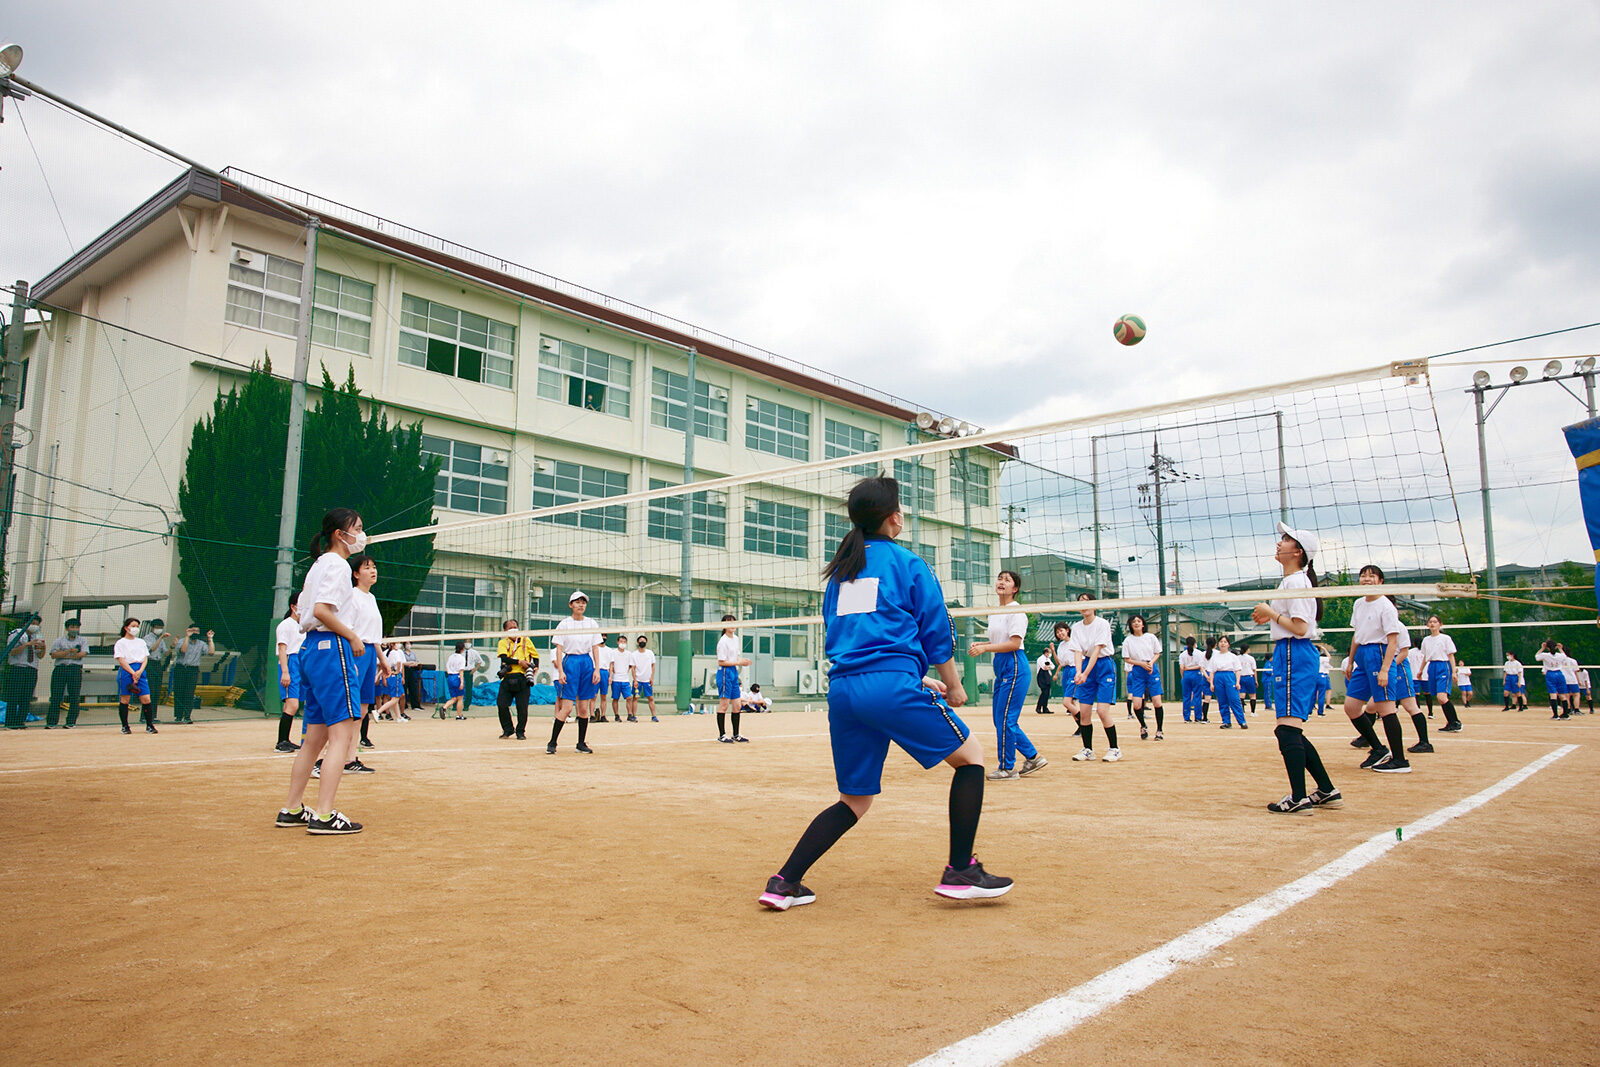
x=1373, y=676
x=1006, y=632
x=1140, y=651
x=1294, y=667
x=577, y=672
x=1191, y=666
x=1097, y=681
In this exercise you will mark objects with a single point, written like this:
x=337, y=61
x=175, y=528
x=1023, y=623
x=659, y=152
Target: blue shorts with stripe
x=867, y=711
x=1438, y=679
x=1099, y=686
x=1364, y=683
x=292, y=691
x=329, y=683
x=728, y=683
x=580, y=683
x=367, y=674
x=1144, y=682
x=1296, y=665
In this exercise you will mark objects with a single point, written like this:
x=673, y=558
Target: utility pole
x=289, y=513
x=1012, y=513
x=10, y=387
x=1492, y=579
x=969, y=677
x=1161, y=547
x=686, y=557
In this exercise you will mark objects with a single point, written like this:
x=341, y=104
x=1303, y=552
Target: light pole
x=1014, y=513
x=1481, y=387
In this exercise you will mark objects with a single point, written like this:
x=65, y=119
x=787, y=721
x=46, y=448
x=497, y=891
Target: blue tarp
x=484, y=694
x=1584, y=441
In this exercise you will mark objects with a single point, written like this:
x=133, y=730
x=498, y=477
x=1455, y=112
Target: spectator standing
x=22, y=672
x=66, y=677
x=161, y=645
x=186, y=670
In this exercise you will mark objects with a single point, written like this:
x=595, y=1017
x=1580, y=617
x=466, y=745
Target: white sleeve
x=1017, y=626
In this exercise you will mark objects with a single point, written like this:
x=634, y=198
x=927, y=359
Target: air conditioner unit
x=808, y=682
x=247, y=258
x=822, y=682
x=751, y=402
x=718, y=393
x=499, y=459
x=544, y=466
x=544, y=677
x=716, y=498
x=549, y=344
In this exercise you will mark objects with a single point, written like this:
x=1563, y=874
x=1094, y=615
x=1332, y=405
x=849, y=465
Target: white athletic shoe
x=1086, y=754
x=1114, y=755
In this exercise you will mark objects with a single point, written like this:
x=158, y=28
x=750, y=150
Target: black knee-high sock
x=1160, y=716
x=555, y=729
x=147, y=714
x=1420, y=721
x=824, y=831
x=966, y=804
x=122, y=710
x=1397, y=740
x=284, y=723
x=1363, y=725
x=1087, y=733
x=734, y=715
x=583, y=730
x=1449, y=712
x=722, y=724
x=1111, y=737
x=1291, y=743
x=1138, y=713
x=1319, y=773
x=365, y=722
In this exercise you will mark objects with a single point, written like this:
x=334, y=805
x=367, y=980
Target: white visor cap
x=1307, y=539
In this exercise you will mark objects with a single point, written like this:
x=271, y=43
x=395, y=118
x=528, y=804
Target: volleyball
x=1129, y=330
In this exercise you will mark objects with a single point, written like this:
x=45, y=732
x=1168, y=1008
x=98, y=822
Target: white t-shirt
x=1569, y=669
x=328, y=583
x=1006, y=625
x=1247, y=665
x=397, y=658
x=1295, y=607
x=366, y=619
x=1044, y=663
x=455, y=664
x=1464, y=677
x=1513, y=668
x=1087, y=637
x=1547, y=660
x=1374, y=620
x=1344, y=664
x=619, y=662
x=133, y=651
x=1143, y=648
x=290, y=636
x=474, y=658
x=576, y=637
x=1438, y=648
x=1583, y=677
x=1324, y=664
x=747, y=697
x=1191, y=661
x=644, y=665
x=1223, y=661
x=1064, y=653
x=1414, y=661
x=728, y=650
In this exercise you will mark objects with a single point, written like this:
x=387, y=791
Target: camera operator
x=518, y=658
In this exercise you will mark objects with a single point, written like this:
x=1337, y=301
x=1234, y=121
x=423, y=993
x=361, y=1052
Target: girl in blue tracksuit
x=885, y=622
x=1007, y=630
x=1190, y=664
x=1222, y=671
x=1294, y=670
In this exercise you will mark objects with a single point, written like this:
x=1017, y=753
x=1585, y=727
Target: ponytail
x=871, y=502
x=334, y=519
x=1311, y=572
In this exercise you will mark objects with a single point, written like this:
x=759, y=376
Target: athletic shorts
x=728, y=683
x=605, y=681
x=644, y=689
x=452, y=683
x=367, y=674
x=1514, y=684
x=580, y=683
x=329, y=682
x=1466, y=690
x=1100, y=685
x=1437, y=681
x=867, y=711
x=1144, y=682
x=1363, y=682
x=619, y=690
x=127, y=687
x=1555, y=684
x=1247, y=684
x=292, y=691
x=1295, y=663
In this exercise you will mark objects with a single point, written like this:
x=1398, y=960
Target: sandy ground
x=505, y=906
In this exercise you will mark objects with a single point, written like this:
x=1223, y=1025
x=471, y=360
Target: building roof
x=155, y=222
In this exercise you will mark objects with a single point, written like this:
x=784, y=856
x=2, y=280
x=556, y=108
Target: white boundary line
x=1026, y=1031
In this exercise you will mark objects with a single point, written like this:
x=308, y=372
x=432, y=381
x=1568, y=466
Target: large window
x=969, y=481
x=710, y=516
x=585, y=377
x=836, y=526
x=778, y=429
x=970, y=561
x=448, y=603
x=606, y=607
x=471, y=477
x=669, y=609
x=558, y=482
x=458, y=343
x=775, y=529
x=669, y=404
x=263, y=291
x=341, y=313
x=843, y=439
x=916, y=485
x=783, y=642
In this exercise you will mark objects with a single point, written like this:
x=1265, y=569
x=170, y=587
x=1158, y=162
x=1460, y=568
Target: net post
x=969, y=674
x=1492, y=579
x=10, y=382
x=289, y=515
x=685, y=685
x=1094, y=491
x=1283, y=474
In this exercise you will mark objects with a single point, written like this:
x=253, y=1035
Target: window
x=916, y=485
x=929, y=554
x=558, y=482
x=341, y=313
x=784, y=642
x=843, y=439
x=585, y=377
x=710, y=510
x=550, y=607
x=775, y=529
x=263, y=292
x=449, y=603
x=778, y=429
x=669, y=404
x=834, y=527
x=667, y=609
x=969, y=561
x=969, y=481
x=471, y=477
x=458, y=343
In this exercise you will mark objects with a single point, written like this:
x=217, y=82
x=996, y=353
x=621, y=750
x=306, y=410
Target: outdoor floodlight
x=1552, y=368
x=1519, y=374
x=1584, y=365
x=924, y=420
x=1480, y=380
x=947, y=426
x=10, y=59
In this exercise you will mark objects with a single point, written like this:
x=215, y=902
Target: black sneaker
x=506, y=737
x=335, y=823
x=1421, y=746
x=1331, y=799
x=550, y=749
x=1392, y=765
x=1291, y=806
x=522, y=737
x=1377, y=756
x=583, y=746
x=741, y=739
x=974, y=883
x=367, y=744
x=357, y=767
x=725, y=739
x=781, y=895
x=286, y=746
x=287, y=818
x=316, y=769
x=1359, y=742
x=150, y=729
x=1455, y=727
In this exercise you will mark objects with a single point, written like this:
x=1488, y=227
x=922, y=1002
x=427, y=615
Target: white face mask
x=358, y=540
x=157, y=631
x=33, y=629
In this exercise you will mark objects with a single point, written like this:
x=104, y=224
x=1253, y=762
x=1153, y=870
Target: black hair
x=1143, y=622
x=293, y=603
x=130, y=620
x=871, y=502
x=1188, y=642
x=730, y=618
x=1016, y=580
x=1311, y=572
x=643, y=639
x=357, y=561
x=1067, y=626
x=72, y=622
x=461, y=646
x=509, y=622
x=1084, y=596
x=158, y=622
x=1211, y=646
x=334, y=519
x=1374, y=568
x=1430, y=618
x=755, y=687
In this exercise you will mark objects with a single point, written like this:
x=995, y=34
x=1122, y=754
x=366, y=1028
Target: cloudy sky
x=950, y=202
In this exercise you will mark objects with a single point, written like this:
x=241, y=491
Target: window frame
x=838, y=439
x=763, y=431
x=339, y=312
x=289, y=297
x=556, y=378
x=796, y=532
x=448, y=472
x=489, y=357
x=611, y=519
x=661, y=517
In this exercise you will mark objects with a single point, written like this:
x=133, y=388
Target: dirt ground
x=505, y=906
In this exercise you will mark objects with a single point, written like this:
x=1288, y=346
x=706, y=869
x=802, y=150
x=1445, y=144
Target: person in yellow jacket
x=518, y=658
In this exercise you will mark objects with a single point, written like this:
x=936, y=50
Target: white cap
x=1307, y=539
x=577, y=594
